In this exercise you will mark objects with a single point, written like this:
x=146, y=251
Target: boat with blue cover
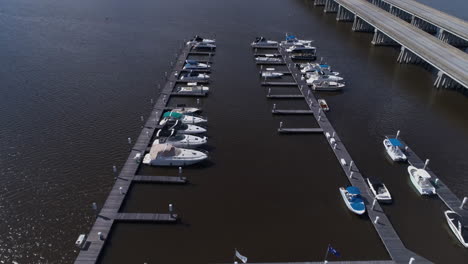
x=393, y=148
x=352, y=198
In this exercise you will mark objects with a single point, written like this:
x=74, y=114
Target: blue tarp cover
x=290, y=37
x=395, y=142
x=353, y=190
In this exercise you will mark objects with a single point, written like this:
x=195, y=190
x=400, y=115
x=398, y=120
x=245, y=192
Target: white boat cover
x=165, y=150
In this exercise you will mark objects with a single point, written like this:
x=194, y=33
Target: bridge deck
x=446, y=58
x=440, y=19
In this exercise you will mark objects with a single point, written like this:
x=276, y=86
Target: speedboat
x=379, y=190
x=262, y=42
x=271, y=74
x=194, y=76
x=316, y=67
x=204, y=46
x=323, y=104
x=311, y=77
x=421, y=180
x=168, y=155
x=301, y=48
x=267, y=59
x=392, y=146
x=195, y=65
x=186, y=119
x=352, y=198
x=182, y=128
x=327, y=85
x=183, y=109
x=459, y=226
x=292, y=40
x=193, y=88
x=198, y=39
x=178, y=140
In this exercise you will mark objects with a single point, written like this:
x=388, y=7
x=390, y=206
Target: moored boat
x=352, y=198
x=178, y=140
x=379, y=190
x=194, y=76
x=198, y=39
x=327, y=86
x=193, y=89
x=268, y=59
x=182, y=128
x=168, y=155
x=458, y=225
x=187, y=119
x=261, y=42
x=392, y=146
x=195, y=65
x=271, y=74
x=421, y=180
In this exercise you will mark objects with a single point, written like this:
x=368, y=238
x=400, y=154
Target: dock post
x=373, y=203
x=121, y=190
x=95, y=208
x=465, y=199
x=198, y=101
x=351, y=165
x=411, y=260
x=351, y=175
x=426, y=163
x=308, y=93
x=376, y=221
x=100, y=235
x=129, y=141
x=269, y=91
x=171, y=208
x=281, y=124
x=333, y=135
x=397, y=134
x=274, y=107
x=436, y=182
x=180, y=172
x=147, y=134
x=165, y=74
x=334, y=146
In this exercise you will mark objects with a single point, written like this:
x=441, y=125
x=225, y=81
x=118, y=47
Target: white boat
x=327, y=85
x=183, y=109
x=204, y=46
x=168, y=155
x=392, y=146
x=186, y=119
x=323, y=104
x=352, y=198
x=267, y=59
x=178, y=140
x=198, y=39
x=262, y=42
x=194, y=76
x=379, y=190
x=301, y=48
x=421, y=180
x=459, y=226
x=324, y=69
x=271, y=74
x=291, y=40
x=193, y=90
x=311, y=77
x=195, y=65
x=182, y=128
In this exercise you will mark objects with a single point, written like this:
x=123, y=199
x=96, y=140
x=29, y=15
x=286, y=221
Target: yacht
x=194, y=76
x=192, y=89
x=178, y=140
x=421, y=180
x=182, y=128
x=352, y=198
x=392, y=146
x=302, y=52
x=183, y=109
x=186, y=119
x=198, y=39
x=327, y=86
x=379, y=190
x=311, y=77
x=195, y=65
x=204, y=46
x=268, y=59
x=323, y=104
x=168, y=155
x=316, y=67
x=271, y=74
x=293, y=40
x=262, y=42
x=459, y=226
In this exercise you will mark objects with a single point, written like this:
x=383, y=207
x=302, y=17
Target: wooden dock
x=291, y=112
x=160, y=179
x=285, y=96
x=109, y=212
x=299, y=130
x=392, y=242
x=279, y=84
x=270, y=63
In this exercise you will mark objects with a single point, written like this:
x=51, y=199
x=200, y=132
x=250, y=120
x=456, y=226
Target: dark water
x=77, y=75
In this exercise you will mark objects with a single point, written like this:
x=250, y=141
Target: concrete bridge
x=417, y=46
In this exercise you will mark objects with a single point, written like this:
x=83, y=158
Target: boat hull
x=455, y=229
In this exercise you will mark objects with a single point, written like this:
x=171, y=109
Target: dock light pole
x=373, y=203
x=376, y=221
x=465, y=199
x=411, y=260
x=397, y=134
x=426, y=163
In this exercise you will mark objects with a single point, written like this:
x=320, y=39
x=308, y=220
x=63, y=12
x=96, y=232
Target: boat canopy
x=290, y=37
x=422, y=173
x=353, y=190
x=165, y=150
x=173, y=114
x=395, y=142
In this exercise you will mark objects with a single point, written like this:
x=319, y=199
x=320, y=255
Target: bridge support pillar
x=424, y=25
x=330, y=6
x=406, y=56
x=380, y=39
x=451, y=39
x=443, y=81
x=344, y=14
x=360, y=25
x=319, y=2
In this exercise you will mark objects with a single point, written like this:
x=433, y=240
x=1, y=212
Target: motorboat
x=198, y=39
x=178, y=140
x=183, y=109
x=204, y=46
x=302, y=52
x=194, y=76
x=322, y=69
x=392, y=146
x=379, y=190
x=352, y=198
x=311, y=77
x=192, y=89
x=271, y=74
x=186, y=119
x=421, y=179
x=168, y=155
x=293, y=40
x=268, y=59
x=323, y=104
x=182, y=128
x=458, y=225
x=261, y=42
x=195, y=65
x=327, y=86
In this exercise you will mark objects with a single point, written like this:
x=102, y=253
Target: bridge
x=417, y=45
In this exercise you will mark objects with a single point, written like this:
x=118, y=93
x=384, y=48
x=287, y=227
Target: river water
x=77, y=75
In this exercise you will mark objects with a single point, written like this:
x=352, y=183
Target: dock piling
x=100, y=235
x=142, y=118
x=351, y=165
x=171, y=209
x=351, y=175
x=269, y=91
x=274, y=107
x=397, y=134
x=334, y=146
x=426, y=163
x=94, y=206
x=281, y=124
x=121, y=190
x=376, y=221
x=373, y=203
x=129, y=141
x=465, y=199
x=411, y=260
x=198, y=101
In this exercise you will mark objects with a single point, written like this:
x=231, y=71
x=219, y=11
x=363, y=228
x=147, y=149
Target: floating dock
x=285, y=96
